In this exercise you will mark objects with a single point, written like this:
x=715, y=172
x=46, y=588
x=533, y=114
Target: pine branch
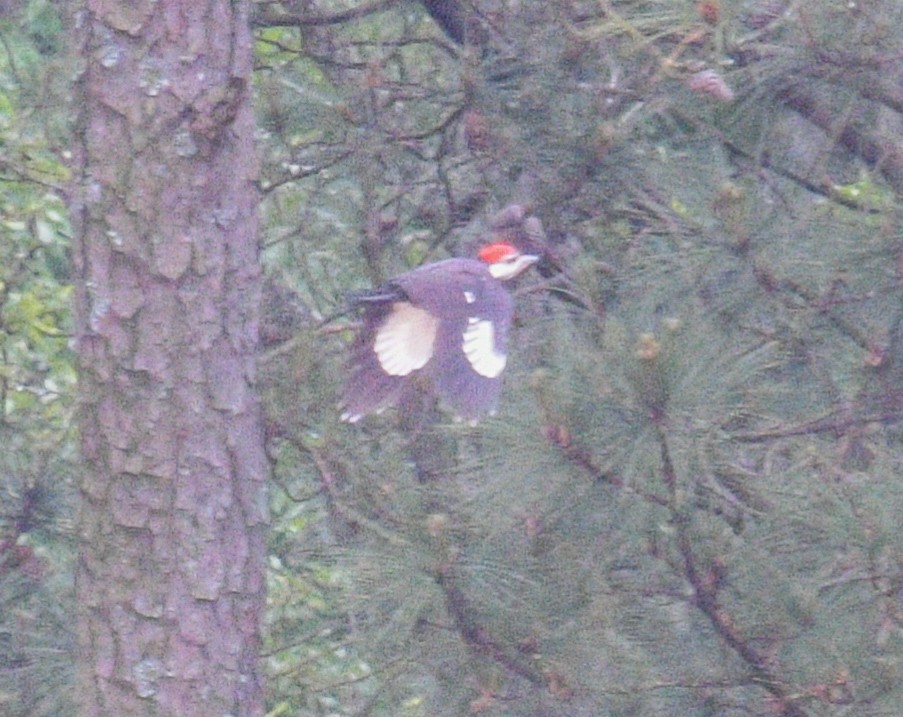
x=836, y=423
x=874, y=147
x=476, y=636
x=273, y=16
x=579, y=456
x=705, y=586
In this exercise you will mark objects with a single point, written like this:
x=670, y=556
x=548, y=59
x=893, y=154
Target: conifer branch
x=579, y=456
x=476, y=636
x=705, y=586
x=877, y=149
x=837, y=422
x=271, y=16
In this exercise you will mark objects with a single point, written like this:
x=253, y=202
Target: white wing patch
x=404, y=342
x=479, y=348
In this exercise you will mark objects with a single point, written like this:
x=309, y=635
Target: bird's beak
x=505, y=270
x=524, y=262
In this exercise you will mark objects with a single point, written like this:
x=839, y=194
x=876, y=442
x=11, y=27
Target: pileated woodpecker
x=443, y=326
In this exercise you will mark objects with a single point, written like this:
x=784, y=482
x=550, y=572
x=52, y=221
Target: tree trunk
x=170, y=581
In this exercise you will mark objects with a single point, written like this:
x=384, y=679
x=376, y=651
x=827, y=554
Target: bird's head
x=505, y=260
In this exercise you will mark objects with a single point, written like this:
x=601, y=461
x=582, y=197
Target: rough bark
x=170, y=581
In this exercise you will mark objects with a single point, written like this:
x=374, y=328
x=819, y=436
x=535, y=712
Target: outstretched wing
x=370, y=386
x=470, y=350
x=448, y=321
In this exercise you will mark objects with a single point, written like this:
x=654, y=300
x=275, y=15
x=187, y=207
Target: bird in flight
x=443, y=327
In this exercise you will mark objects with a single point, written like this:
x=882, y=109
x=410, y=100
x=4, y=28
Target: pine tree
x=687, y=502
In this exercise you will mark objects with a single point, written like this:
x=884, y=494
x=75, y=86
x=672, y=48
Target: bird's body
x=443, y=326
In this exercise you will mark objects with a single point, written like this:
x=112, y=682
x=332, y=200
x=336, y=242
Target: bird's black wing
x=472, y=304
x=368, y=388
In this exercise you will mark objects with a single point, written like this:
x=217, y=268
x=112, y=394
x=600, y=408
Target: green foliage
x=37, y=376
x=688, y=503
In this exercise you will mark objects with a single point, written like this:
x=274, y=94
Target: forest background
x=689, y=502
